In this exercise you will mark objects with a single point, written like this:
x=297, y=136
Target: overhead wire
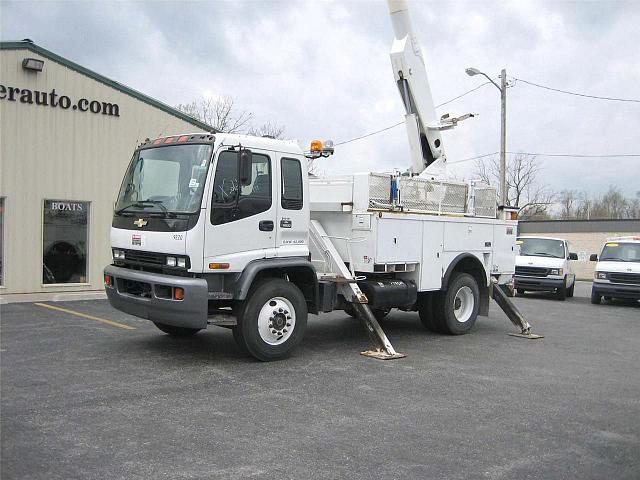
x=597, y=97
x=400, y=123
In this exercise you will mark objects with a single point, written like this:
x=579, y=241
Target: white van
x=617, y=273
x=544, y=265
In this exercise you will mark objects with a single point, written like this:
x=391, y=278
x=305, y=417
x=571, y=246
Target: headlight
x=600, y=275
x=556, y=271
x=175, y=261
x=118, y=254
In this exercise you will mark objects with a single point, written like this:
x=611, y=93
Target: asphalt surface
x=86, y=399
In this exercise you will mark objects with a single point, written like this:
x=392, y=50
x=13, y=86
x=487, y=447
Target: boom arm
x=423, y=127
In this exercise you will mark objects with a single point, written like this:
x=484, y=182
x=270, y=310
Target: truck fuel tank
x=385, y=293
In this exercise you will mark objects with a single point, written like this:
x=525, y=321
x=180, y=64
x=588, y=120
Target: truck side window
x=232, y=201
x=291, y=184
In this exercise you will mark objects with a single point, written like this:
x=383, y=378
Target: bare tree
x=524, y=186
x=611, y=205
x=568, y=200
x=219, y=113
x=268, y=129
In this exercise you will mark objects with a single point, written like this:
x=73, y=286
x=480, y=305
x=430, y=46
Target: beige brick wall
x=584, y=244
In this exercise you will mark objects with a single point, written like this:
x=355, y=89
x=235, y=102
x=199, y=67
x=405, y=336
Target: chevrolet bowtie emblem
x=141, y=222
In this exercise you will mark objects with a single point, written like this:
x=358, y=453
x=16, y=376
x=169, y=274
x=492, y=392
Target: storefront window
x=1, y=240
x=65, y=238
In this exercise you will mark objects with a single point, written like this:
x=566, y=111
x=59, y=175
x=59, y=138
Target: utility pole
x=503, y=126
x=503, y=137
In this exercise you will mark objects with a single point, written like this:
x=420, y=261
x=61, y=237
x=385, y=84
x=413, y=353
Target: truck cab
x=617, y=273
x=543, y=264
x=199, y=218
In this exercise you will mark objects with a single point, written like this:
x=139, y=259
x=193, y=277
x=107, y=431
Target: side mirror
x=573, y=256
x=244, y=160
x=593, y=257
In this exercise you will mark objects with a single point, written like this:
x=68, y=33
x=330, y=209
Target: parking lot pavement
x=86, y=399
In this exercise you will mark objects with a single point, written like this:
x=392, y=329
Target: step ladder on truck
x=230, y=230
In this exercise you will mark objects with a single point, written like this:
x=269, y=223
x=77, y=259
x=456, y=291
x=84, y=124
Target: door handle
x=266, y=225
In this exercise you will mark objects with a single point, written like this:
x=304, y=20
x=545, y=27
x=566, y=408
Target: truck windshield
x=165, y=180
x=621, y=252
x=541, y=247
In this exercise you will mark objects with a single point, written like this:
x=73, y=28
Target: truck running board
x=347, y=286
x=512, y=313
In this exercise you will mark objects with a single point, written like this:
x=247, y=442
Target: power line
x=577, y=94
x=474, y=158
x=569, y=155
x=369, y=134
x=578, y=155
x=400, y=123
x=465, y=93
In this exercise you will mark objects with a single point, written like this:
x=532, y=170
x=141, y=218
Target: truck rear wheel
x=272, y=320
x=176, y=331
x=456, y=309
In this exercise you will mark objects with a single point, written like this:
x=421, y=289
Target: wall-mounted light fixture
x=33, y=64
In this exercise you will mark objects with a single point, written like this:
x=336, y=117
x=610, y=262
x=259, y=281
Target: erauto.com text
x=52, y=99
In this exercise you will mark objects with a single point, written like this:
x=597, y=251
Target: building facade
x=586, y=237
x=66, y=137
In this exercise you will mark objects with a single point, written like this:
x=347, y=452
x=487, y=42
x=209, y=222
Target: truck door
x=241, y=218
x=293, y=208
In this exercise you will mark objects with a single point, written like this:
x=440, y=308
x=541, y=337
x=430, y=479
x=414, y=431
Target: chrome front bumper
x=191, y=312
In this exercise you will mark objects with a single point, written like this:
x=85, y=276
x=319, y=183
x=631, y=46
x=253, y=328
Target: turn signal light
x=178, y=293
x=108, y=280
x=218, y=266
x=514, y=215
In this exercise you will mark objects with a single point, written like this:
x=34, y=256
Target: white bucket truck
x=617, y=273
x=543, y=264
x=228, y=230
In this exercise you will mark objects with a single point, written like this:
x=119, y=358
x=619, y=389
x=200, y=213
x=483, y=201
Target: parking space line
x=84, y=315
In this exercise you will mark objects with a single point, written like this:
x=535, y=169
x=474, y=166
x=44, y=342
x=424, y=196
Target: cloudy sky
x=322, y=70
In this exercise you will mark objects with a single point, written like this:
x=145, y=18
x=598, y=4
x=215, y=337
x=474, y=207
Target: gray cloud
x=322, y=70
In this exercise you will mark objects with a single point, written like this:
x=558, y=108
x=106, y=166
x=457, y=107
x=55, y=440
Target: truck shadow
x=334, y=332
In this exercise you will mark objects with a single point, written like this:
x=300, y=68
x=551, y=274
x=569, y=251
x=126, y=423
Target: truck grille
x=633, y=278
x=137, y=257
x=532, y=271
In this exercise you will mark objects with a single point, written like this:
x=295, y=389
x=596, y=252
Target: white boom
x=423, y=126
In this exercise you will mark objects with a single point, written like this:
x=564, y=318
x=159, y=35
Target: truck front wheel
x=457, y=308
x=272, y=320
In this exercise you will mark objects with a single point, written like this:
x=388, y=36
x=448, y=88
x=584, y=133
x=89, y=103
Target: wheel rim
x=463, y=304
x=276, y=320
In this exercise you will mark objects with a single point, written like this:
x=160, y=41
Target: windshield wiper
x=612, y=259
x=147, y=203
x=543, y=254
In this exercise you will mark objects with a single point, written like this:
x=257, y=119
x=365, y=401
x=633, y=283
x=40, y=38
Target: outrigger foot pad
x=529, y=336
x=382, y=355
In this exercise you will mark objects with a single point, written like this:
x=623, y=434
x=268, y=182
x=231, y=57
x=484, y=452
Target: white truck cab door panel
x=293, y=208
x=241, y=218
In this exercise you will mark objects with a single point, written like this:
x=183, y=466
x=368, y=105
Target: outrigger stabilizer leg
x=512, y=313
x=384, y=350
x=348, y=287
